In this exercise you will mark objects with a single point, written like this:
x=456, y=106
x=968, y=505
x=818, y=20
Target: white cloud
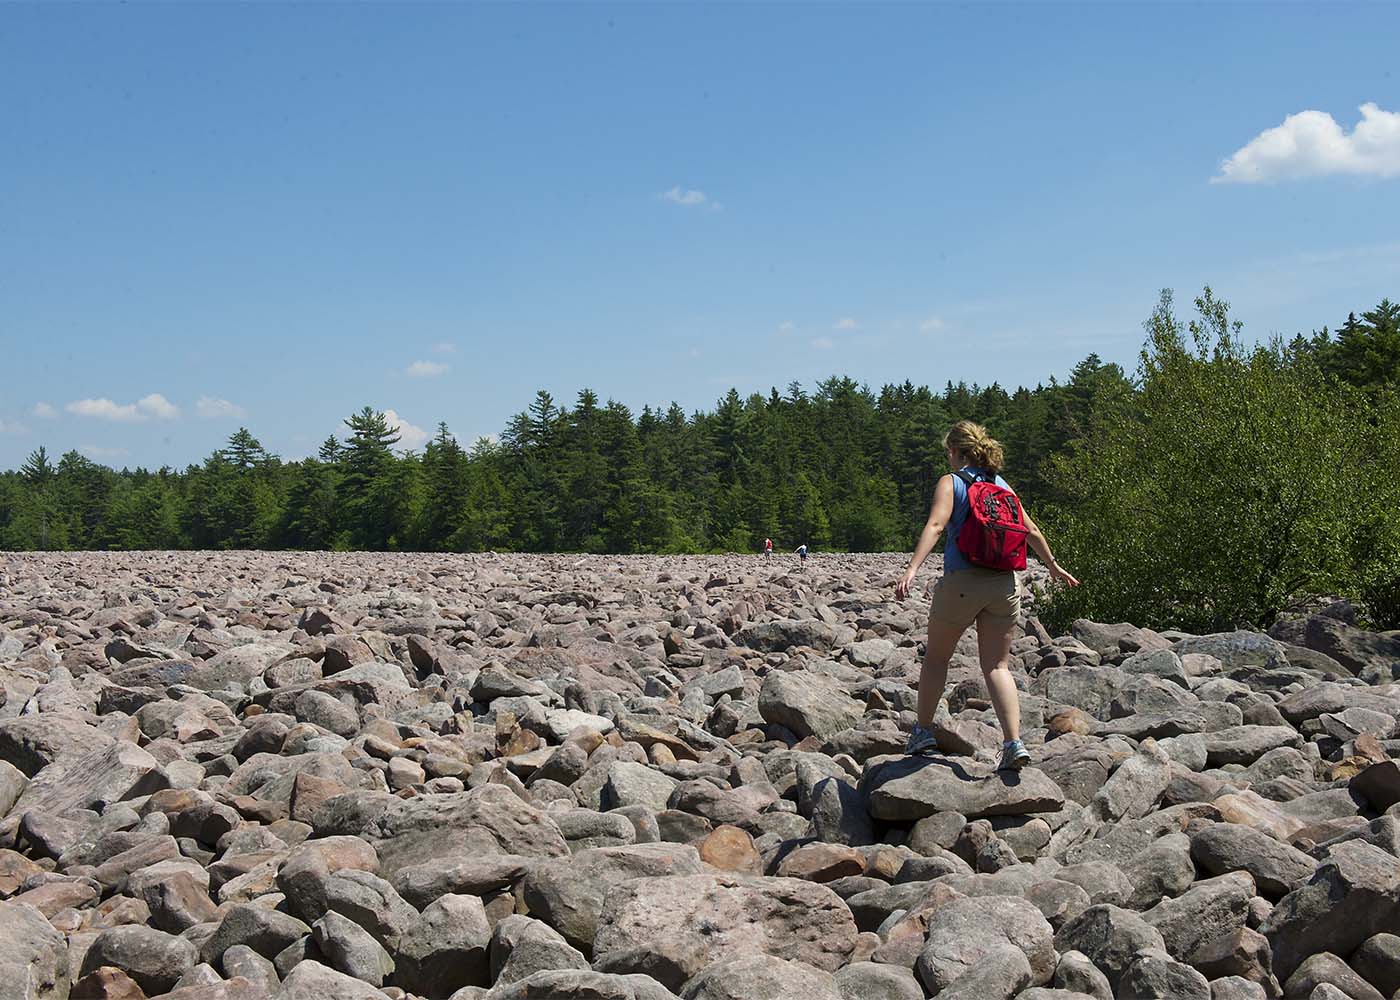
x=426, y=369
x=688, y=196
x=823, y=343
x=931, y=324
x=10, y=427
x=787, y=326
x=104, y=409
x=44, y=410
x=158, y=406
x=845, y=323
x=444, y=347
x=1312, y=144
x=213, y=408
x=410, y=437
x=153, y=405
x=98, y=454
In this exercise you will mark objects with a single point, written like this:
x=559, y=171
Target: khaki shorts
x=976, y=595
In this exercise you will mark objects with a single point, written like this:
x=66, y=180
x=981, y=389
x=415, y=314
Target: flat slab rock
x=904, y=789
x=672, y=927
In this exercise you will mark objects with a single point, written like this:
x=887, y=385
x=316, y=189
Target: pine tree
x=367, y=462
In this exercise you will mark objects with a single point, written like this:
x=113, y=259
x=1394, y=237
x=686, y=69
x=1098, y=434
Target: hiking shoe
x=921, y=742
x=1014, y=756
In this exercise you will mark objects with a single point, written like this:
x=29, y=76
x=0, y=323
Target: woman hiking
x=980, y=586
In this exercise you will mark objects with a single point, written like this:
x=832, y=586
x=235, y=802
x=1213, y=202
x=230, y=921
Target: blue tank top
x=953, y=559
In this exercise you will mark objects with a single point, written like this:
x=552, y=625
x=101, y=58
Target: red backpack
x=994, y=533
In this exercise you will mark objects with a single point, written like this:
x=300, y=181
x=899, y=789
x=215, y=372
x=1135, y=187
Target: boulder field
x=364, y=775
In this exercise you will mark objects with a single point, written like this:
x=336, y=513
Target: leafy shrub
x=1224, y=489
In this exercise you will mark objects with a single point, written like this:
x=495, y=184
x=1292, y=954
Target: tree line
x=842, y=467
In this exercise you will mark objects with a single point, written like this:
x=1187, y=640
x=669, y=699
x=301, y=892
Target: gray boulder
x=33, y=956
x=808, y=703
x=568, y=894
x=579, y=984
x=760, y=977
x=874, y=981
x=310, y=980
x=447, y=949
x=154, y=959
x=1324, y=967
x=1155, y=975
x=1378, y=962
x=1276, y=867
x=672, y=927
x=1209, y=912
x=781, y=636
x=351, y=949
x=903, y=789
x=521, y=946
x=965, y=931
x=1354, y=894
x=1110, y=937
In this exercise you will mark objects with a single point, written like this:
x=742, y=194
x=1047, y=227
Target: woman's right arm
x=938, y=516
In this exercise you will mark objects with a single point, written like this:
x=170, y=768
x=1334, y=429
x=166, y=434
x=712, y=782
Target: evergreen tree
x=366, y=463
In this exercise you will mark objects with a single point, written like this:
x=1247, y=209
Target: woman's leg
x=994, y=650
x=933, y=677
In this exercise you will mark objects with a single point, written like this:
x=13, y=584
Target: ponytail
x=972, y=441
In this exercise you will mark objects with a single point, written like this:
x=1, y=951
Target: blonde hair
x=972, y=442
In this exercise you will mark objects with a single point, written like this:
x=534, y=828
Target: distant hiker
x=801, y=551
x=768, y=548
x=988, y=531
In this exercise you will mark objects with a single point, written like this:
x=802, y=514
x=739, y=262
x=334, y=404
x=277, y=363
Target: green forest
x=1214, y=485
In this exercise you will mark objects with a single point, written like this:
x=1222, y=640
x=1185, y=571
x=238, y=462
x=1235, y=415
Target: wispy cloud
x=44, y=410
x=932, y=324
x=10, y=427
x=787, y=326
x=1312, y=144
x=410, y=437
x=845, y=323
x=213, y=408
x=426, y=369
x=99, y=454
x=444, y=347
x=102, y=408
x=690, y=197
x=823, y=343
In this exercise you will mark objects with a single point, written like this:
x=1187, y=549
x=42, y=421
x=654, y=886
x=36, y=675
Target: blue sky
x=272, y=215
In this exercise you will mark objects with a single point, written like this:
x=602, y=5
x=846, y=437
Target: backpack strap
x=970, y=479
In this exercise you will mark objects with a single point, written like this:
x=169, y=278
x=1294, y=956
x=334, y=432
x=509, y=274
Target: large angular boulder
x=807, y=703
x=111, y=772
x=1354, y=648
x=780, y=636
x=1111, y=938
x=1354, y=894
x=446, y=949
x=568, y=893
x=489, y=819
x=902, y=789
x=670, y=928
x=580, y=984
x=31, y=743
x=1276, y=867
x=965, y=931
x=154, y=959
x=760, y=977
x=33, y=956
x=1210, y=911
